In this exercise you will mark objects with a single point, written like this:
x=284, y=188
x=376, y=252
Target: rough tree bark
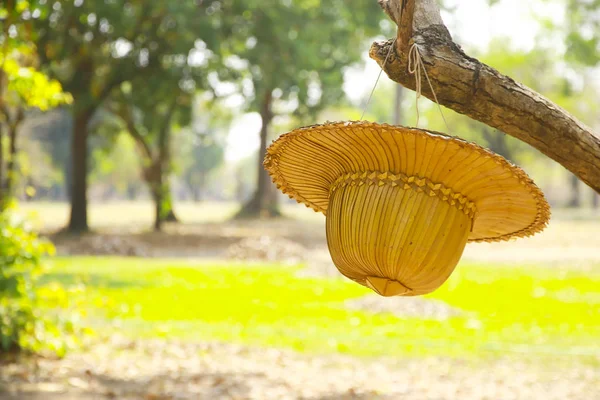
x=470, y=87
x=264, y=201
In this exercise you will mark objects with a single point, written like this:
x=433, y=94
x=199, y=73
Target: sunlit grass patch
x=506, y=309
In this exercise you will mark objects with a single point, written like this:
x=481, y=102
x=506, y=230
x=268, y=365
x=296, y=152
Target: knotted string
x=415, y=65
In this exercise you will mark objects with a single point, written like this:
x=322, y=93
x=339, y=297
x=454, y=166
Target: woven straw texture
x=402, y=203
x=306, y=162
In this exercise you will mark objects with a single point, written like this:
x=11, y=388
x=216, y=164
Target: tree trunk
x=68, y=174
x=163, y=205
x=398, y=114
x=30, y=183
x=167, y=213
x=198, y=189
x=264, y=201
x=131, y=192
x=156, y=172
x=10, y=165
x=11, y=173
x=470, y=87
x=2, y=195
x=167, y=205
x=161, y=196
x=201, y=185
x=196, y=194
x=595, y=200
x=157, y=196
x=79, y=152
x=575, y=201
x=2, y=204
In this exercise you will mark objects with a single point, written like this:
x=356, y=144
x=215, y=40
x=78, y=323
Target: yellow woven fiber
x=401, y=203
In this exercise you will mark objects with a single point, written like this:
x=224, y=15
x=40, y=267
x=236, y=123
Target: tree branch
x=472, y=88
x=126, y=114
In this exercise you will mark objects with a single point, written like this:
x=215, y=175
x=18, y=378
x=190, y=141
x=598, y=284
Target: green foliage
x=296, y=49
x=117, y=166
x=22, y=87
x=28, y=87
x=583, y=37
x=23, y=325
x=20, y=257
x=93, y=47
x=528, y=310
x=176, y=55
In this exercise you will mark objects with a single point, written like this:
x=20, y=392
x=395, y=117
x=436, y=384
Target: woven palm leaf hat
x=401, y=203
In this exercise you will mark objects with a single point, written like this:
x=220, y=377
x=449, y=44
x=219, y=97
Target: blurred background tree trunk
x=264, y=202
x=158, y=198
x=167, y=214
x=157, y=177
x=167, y=205
x=575, y=200
x=78, y=221
x=11, y=166
x=398, y=114
x=1, y=167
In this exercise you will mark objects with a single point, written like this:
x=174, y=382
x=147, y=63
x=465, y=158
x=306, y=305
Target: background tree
x=151, y=109
x=93, y=47
x=22, y=87
x=583, y=33
x=201, y=147
x=206, y=153
x=583, y=51
x=149, y=121
x=294, y=54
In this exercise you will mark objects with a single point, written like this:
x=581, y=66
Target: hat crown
x=396, y=234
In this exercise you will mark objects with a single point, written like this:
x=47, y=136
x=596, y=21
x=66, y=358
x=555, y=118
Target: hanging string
x=378, y=77
x=415, y=65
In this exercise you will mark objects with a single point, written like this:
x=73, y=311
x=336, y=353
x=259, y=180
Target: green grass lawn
x=531, y=310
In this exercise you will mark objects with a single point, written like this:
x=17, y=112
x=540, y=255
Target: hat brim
x=304, y=163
